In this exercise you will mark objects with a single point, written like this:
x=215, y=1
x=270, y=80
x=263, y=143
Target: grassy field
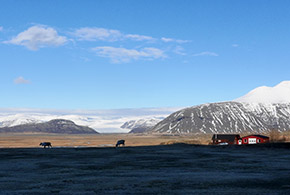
x=98, y=140
x=109, y=140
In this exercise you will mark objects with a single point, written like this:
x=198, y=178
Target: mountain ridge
x=53, y=126
x=262, y=109
x=226, y=117
x=280, y=93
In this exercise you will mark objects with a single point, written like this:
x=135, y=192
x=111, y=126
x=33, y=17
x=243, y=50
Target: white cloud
x=1, y=28
x=37, y=37
x=21, y=80
x=179, y=50
x=94, y=34
x=166, y=40
x=118, y=55
x=206, y=53
x=102, y=34
x=235, y=45
x=123, y=112
x=139, y=37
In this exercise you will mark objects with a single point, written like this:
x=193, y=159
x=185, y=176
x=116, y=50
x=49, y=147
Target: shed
x=255, y=139
x=225, y=139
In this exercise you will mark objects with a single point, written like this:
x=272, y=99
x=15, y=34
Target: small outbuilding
x=226, y=139
x=255, y=139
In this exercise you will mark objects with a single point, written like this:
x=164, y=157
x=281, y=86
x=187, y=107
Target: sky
x=110, y=54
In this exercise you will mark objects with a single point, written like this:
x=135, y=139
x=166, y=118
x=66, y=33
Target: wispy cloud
x=235, y=45
x=1, y=28
x=206, y=53
x=166, y=40
x=94, y=34
x=21, y=80
x=179, y=50
x=139, y=37
x=118, y=55
x=37, y=37
x=102, y=34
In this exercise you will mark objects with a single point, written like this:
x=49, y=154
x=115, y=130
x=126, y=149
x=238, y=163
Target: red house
x=255, y=139
x=225, y=139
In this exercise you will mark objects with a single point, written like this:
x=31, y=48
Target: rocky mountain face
x=227, y=117
x=140, y=130
x=53, y=126
x=141, y=125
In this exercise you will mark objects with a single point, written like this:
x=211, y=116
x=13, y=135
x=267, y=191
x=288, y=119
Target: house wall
x=218, y=141
x=250, y=140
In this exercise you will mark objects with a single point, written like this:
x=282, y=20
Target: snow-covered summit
x=268, y=95
x=144, y=122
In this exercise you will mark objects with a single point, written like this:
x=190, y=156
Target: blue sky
x=139, y=54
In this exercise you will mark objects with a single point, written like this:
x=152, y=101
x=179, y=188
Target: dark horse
x=45, y=144
x=120, y=142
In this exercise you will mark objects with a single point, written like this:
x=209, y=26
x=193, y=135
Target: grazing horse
x=120, y=142
x=45, y=144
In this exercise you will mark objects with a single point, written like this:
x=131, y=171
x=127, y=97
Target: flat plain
x=99, y=140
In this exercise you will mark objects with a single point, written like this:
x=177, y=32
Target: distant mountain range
x=261, y=110
x=103, y=121
x=54, y=126
x=226, y=117
x=141, y=125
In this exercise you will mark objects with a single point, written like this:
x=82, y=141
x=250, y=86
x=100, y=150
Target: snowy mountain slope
x=144, y=122
x=261, y=110
x=141, y=125
x=268, y=95
x=227, y=117
x=108, y=121
x=53, y=126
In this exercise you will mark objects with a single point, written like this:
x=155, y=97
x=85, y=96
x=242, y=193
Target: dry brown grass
x=109, y=140
x=276, y=136
x=201, y=139
x=98, y=140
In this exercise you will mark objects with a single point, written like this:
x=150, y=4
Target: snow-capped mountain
x=144, y=122
x=103, y=121
x=261, y=110
x=53, y=126
x=268, y=95
x=141, y=125
x=227, y=117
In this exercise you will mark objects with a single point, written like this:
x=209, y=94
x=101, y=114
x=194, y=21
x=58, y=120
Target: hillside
x=141, y=125
x=227, y=117
x=261, y=110
x=54, y=126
